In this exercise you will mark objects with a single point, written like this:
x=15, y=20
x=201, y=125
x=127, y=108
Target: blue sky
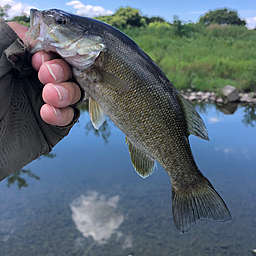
x=187, y=10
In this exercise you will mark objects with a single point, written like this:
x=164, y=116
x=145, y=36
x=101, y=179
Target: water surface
x=86, y=199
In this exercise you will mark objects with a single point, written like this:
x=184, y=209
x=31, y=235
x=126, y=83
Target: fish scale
x=124, y=83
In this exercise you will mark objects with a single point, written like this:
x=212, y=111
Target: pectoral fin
x=114, y=81
x=195, y=124
x=142, y=163
x=96, y=114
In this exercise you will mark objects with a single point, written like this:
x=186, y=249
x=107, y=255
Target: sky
x=186, y=10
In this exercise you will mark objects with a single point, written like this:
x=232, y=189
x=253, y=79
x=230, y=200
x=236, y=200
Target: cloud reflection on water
x=240, y=153
x=213, y=120
x=98, y=217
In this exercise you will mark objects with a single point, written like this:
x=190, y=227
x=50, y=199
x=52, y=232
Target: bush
x=209, y=59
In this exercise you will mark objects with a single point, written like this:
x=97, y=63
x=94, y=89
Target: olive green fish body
x=137, y=111
x=148, y=113
x=125, y=84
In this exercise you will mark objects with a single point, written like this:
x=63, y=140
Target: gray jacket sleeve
x=24, y=136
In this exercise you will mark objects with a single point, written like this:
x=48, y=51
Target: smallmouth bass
x=124, y=83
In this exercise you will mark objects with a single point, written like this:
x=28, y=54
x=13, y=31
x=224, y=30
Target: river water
x=86, y=199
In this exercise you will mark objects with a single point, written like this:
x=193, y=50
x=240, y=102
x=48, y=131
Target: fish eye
x=61, y=20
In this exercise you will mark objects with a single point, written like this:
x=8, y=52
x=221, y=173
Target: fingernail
x=42, y=58
x=56, y=111
x=63, y=93
x=56, y=71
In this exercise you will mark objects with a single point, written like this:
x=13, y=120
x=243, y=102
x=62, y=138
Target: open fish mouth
x=35, y=17
x=74, y=45
x=36, y=34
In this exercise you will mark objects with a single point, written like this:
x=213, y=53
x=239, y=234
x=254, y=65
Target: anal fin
x=142, y=163
x=96, y=114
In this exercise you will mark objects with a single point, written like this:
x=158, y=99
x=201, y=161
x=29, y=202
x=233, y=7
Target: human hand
x=58, y=94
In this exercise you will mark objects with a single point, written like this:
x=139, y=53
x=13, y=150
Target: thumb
x=19, y=30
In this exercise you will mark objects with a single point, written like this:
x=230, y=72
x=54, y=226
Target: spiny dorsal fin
x=142, y=163
x=195, y=124
x=96, y=114
x=114, y=81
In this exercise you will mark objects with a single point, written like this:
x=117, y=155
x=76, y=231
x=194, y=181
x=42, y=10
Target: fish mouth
x=35, y=17
x=35, y=35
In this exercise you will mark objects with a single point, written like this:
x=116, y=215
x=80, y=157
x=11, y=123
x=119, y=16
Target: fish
x=126, y=85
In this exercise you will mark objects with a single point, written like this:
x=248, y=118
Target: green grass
x=205, y=58
x=199, y=57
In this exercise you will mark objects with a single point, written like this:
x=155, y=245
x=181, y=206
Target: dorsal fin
x=195, y=124
x=96, y=114
x=142, y=163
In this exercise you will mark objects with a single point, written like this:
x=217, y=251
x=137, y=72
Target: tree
x=124, y=18
x=3, y=10
x=249, y=116
x=21, y=182
x=180, y=29
x=177, y=26
x=154, y=19
x=223, y=17
x=23, y=20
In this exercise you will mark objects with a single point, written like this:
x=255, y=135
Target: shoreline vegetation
x=203, y=57
x=207, y=60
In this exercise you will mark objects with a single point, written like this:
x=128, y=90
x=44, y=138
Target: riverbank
x=199, y=96
x=212, y=97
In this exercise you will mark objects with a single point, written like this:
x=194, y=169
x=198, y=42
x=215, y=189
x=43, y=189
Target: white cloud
x=89, y=10
x=249, y=16
x=226, y=150
x=17, y=8
x=97, y=216
x=213, y=120
x=251, y=22
x=240, y=153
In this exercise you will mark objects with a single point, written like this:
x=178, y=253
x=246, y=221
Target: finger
x=56, y=116
x=54, y=71
x=19, y=30
x=41, y=57
x=61, y=95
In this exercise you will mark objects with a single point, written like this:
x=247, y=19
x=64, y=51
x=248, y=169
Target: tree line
x=129, y=17
x=207, y=55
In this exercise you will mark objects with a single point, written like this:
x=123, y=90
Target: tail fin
x=201, y=203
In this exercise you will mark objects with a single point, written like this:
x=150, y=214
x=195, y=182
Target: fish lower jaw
x=38, y=45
